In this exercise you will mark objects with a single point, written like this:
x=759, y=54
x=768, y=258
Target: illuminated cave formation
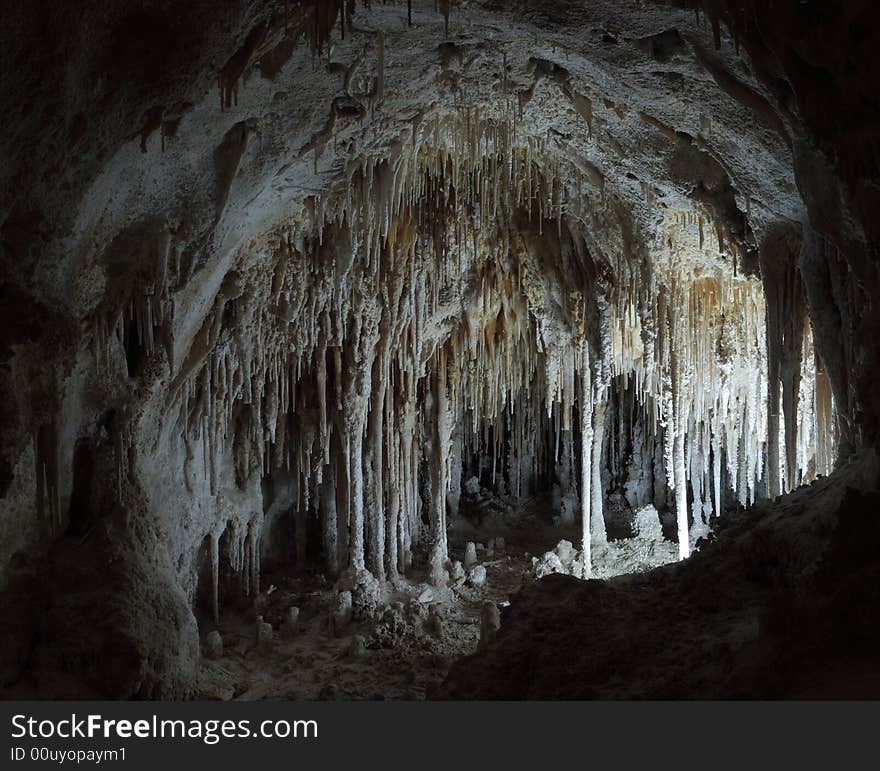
x=294, y=313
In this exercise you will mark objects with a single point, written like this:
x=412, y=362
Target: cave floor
x=406, y=649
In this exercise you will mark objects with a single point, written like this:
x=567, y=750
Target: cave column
x=409, y=476
x=438, y=555
x=681, y=508
x=373, y=488
x=355, y=459
x=774, y=471
x=785, y=313
x=601, y=393
x=586, y=407
x=394, y=494
x=674, y=388
x=329, y=524
x=795, y=320
x=362, y=339
x=597, y=516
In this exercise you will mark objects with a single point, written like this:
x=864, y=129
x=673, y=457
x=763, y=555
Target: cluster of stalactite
x=445, y=305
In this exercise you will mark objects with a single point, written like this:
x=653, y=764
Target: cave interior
x=440, y=349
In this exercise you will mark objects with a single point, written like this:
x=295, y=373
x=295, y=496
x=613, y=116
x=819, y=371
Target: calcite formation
x=307, y=278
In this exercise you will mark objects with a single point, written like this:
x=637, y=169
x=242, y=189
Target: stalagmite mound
x=297, y=299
